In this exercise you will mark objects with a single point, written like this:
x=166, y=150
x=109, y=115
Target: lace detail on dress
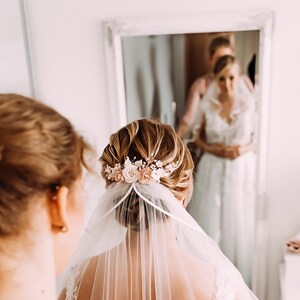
x=226, y=288
x=73, y=281
x=225, y=188
x=238, y=131
x=72, y=288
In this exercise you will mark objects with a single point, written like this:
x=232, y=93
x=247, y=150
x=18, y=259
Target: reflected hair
x=223, y=62
x=217, y=43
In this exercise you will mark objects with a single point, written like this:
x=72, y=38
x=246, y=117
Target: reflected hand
x=224, y=151
x=232, y=152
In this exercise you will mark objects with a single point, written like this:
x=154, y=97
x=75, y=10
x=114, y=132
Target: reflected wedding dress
x=141, y=244
x=224, y=192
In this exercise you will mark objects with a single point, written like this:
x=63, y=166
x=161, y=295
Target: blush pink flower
x=145, y=175
x=118, y=176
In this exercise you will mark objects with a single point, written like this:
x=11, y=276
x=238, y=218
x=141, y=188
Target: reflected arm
x=196, y=92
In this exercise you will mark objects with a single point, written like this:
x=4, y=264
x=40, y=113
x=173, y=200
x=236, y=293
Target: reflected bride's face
x=228, y=78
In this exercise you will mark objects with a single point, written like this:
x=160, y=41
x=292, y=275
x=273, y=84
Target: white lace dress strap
x=226, y=288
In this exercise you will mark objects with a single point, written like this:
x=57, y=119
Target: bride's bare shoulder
x=198, y=278
x=87, y=283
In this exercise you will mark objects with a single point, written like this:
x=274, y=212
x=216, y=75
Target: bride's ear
x=59, y=209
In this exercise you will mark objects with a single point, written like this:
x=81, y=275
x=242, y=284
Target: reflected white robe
x=224, y=194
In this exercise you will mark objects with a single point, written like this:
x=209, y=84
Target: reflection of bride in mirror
x=224, y=198
x=219, y=46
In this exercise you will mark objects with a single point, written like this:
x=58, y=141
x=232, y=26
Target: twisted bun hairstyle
x=39, y=149
x=151, y=140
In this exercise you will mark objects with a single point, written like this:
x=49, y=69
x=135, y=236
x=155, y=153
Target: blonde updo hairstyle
x=150, y=140
x=39, y=151
x=224, y=62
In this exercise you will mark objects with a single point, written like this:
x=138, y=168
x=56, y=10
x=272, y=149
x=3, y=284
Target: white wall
x=147, y=73
x=67, y=51
x=13, y=66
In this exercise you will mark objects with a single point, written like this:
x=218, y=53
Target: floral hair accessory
x=139, y=171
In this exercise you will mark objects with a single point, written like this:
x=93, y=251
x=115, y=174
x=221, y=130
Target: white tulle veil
x=142, y=244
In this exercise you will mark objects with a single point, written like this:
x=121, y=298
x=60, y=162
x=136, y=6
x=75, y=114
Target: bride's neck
x=230, y=100
x=28, y=273
x=166, y=232
x=226, y=97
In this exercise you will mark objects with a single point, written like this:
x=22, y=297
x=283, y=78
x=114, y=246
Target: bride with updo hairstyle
x=169, y=149
x=140, y=243
x=224, y=192
x=136, y=140
x=41, y=208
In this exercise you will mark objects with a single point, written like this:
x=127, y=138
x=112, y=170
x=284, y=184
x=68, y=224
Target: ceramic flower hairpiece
x=139, y=171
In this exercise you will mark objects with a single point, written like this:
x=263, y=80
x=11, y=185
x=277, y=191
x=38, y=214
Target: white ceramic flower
x=139, y=163
x=159, y=164
x=130, y=173
x=171, y=167
x=158, y=173
x=127, y=162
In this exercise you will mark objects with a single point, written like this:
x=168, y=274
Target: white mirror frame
x=201, y=23
x=26, y=45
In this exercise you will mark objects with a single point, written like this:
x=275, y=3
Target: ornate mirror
x=153, y=62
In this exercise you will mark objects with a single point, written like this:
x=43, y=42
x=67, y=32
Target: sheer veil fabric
x=141, y=244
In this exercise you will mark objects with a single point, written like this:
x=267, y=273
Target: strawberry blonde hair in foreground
x=150, y=140
x=41, y=203
x=39, y=150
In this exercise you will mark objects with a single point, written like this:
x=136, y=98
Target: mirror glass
x=14, y=72
x=152, y=66
x=160, y=69
x=170, y=77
